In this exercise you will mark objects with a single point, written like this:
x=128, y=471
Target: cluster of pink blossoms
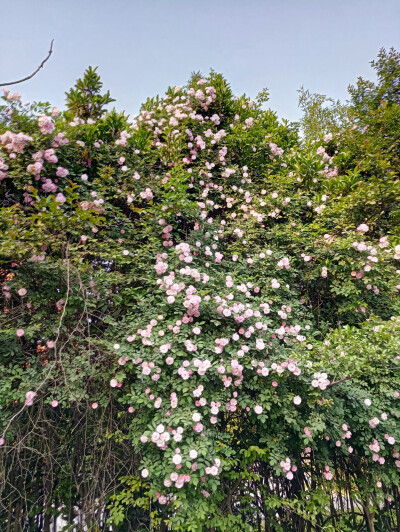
x=320, y=381
x=287, y=468
x=29, y=397
x=46, y=125
x=14, y=142
x=3, y=169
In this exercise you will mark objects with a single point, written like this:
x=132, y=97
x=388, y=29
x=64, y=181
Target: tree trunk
x=369, y=518
x=46, y=523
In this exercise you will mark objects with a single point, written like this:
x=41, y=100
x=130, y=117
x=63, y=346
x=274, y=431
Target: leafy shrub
x=199, y=311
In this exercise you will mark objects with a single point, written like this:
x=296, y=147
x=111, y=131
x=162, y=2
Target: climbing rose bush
x=194, y=302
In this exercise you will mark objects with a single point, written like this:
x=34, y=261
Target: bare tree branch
x=36, y=71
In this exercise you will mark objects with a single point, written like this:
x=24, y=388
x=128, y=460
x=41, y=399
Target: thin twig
x=36, y=71
x=337, y=382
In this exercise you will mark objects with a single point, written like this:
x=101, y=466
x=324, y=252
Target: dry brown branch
x=36, y=71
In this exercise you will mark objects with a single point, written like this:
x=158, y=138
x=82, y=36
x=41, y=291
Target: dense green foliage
x=199, y=322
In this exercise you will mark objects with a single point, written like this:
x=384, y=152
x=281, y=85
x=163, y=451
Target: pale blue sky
x=142, y=46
